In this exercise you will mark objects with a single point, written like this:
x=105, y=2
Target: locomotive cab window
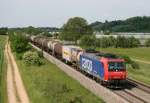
x=116, y=66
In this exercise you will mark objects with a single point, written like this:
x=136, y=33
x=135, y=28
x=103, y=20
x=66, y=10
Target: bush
x=32, y=58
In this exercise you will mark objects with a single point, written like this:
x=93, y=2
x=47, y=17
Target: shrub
x=135, y=65
x=19, y=56
x=40, y=54
x=129, y=61
x=126, y=58
x=31, y=58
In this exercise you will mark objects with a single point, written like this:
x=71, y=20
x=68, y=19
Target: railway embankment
x=106, y=94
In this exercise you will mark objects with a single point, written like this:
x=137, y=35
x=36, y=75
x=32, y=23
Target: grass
x=3, y=92
x=137, y=53
x=48, y=84
x=142, y=74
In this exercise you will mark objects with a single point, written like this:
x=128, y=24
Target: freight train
x=107, y=69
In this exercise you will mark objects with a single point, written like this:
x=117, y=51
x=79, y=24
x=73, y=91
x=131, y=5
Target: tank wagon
x=107, y=69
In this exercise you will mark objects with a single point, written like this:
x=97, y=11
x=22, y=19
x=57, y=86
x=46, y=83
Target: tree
x=33, y=31
x=133, y=42
x=88, y=41
x=19, y=43
x=47, y=34
x=55, y=35
x=122, y=42
x=134, y=24
x=74, y=29
x=3, y=31
x=147, y=43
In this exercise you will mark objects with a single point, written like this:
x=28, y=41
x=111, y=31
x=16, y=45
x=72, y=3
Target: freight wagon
x=108, y=69
x=70, y=53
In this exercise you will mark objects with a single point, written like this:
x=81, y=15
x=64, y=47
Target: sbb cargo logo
x=87, y=64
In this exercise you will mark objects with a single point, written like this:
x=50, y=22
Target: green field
x=48, y=84
x=3, y=95
x=142, y=74
x=137, y=53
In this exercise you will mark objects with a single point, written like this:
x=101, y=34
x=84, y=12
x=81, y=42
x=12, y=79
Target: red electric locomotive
x=109, y=70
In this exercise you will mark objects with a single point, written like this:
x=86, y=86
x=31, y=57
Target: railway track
x=134, y=92
x=130, y=97
x=139, y=85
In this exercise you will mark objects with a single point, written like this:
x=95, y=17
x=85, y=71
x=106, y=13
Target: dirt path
x=142, y=61
x=15, y=88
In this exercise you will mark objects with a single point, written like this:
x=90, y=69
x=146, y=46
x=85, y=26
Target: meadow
x=3, y=94
x=136, y=53
x=143, y=73
x=48, y=84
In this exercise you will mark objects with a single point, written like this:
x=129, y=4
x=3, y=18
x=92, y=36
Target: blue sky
x=19, y=13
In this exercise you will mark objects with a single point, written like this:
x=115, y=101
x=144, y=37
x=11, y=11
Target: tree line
x=78, y=30
x=134, y=24
x=105, y=42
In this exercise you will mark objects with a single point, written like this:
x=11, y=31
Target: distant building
x=141, y=36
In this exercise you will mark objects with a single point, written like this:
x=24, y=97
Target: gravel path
x=15, y=88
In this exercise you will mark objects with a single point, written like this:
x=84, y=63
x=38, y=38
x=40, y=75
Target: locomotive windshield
x=116, y=66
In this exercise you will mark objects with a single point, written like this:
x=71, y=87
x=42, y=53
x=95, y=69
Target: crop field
x=48, y=84
x=143, y=73
x=3, y=96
